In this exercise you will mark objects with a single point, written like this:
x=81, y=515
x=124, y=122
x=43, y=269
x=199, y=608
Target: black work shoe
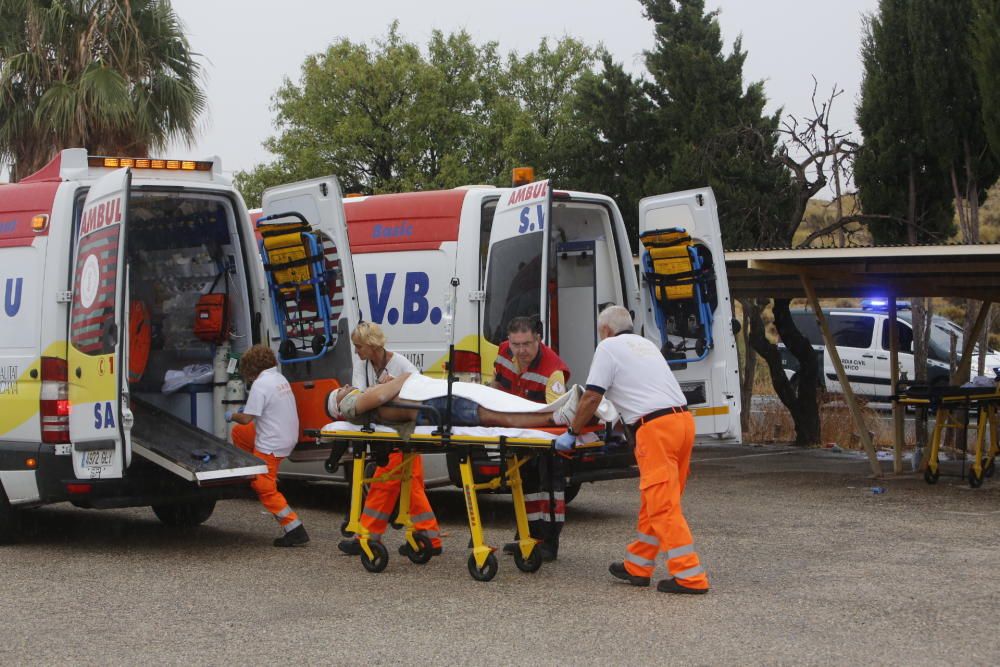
x=350, y=547
x=618, y=570
x=405, y=550
x=671, y=586
x=546, y=553
x=510, y=548
x=293, y=538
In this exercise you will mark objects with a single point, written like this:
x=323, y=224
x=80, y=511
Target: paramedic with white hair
x=630, y=371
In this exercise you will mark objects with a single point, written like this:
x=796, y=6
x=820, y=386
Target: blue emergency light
x=882, y=304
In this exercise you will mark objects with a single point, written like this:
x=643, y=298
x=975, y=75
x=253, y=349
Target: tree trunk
x=801, y=400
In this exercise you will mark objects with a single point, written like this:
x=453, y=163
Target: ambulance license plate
x=98, y=458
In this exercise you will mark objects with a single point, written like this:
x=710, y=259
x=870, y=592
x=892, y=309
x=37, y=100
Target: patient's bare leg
x=489, y=417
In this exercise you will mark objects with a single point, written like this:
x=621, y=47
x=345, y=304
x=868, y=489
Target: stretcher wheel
x=343, y=528
x=381, y=557
x=931, y=477
x=975, y=481
x=489, y=568
x=421, y=556
x=530, y=564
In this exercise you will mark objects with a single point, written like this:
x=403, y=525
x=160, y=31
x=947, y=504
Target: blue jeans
x=463, y=411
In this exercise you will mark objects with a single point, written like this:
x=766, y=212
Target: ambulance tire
x=571, y=492
x=185, y=515
x=10, y=520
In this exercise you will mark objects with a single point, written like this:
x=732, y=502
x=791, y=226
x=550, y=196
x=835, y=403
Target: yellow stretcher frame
x=984, y=456
x=515, y=452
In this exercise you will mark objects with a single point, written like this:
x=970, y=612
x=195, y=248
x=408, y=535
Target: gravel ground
x=807, y=566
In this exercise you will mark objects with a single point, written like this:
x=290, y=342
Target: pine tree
x=986, y=62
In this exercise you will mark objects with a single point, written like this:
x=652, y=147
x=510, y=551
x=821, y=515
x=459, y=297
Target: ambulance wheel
x=975, y=481
x=423, y=554
x=489, y=568
x=381, y=559
x=530, y=564
x=571, y=492
x=9, y=520
x=931, y=477
x=185, y=515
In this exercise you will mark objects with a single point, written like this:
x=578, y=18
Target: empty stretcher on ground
x=942, y=401
x=514, y=446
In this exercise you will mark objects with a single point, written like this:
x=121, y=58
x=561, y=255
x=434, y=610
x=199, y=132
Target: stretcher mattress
x=484, y=432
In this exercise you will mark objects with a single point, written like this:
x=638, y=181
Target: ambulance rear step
x=187, y=451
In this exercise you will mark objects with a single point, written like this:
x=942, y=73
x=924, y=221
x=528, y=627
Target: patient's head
x=333, y=402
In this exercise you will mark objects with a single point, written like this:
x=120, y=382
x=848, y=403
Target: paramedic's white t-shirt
x=273, y=407
x=634, y=376
x=364, y=371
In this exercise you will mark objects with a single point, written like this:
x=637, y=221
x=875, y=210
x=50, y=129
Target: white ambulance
x=108, y=398
x=532, y=250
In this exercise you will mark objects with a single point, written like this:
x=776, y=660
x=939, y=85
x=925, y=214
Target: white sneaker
x=567, y=411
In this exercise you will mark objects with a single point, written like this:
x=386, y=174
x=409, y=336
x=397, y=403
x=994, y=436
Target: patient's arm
x=380, y=394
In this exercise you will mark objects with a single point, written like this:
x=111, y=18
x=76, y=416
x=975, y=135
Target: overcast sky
x=250, y=46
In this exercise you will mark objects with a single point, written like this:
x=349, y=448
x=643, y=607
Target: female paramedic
x=378, y=366
x=268, y=428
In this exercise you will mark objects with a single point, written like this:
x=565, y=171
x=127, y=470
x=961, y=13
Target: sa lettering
x=104, y=416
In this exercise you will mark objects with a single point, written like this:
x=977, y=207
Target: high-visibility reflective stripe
x=640, y=561
x=426, y=516
x=293, y=525
x=680, y=551
x=529, y=497
x=690, y=572
x=428, y=533
x=506, y=363
x=375, y=514
x=647, y=539
x=283, y=513
x=538, y=516
x=534, y=377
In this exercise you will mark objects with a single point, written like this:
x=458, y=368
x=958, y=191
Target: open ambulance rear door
x=517, y=274
x=312, y=339
x=99, y=420
x=669, y=318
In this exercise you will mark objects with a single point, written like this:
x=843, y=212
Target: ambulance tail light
x=54, y=403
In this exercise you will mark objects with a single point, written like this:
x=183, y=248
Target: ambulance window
x=96, y=286
x=485, y=227
x=513, y=284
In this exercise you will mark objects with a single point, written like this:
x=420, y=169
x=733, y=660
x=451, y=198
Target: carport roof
x=952, y=270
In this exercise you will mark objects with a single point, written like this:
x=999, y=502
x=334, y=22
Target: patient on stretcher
x=472, y=404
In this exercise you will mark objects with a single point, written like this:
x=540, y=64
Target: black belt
x=656, y=414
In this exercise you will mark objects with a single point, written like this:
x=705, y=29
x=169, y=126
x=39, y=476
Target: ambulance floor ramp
x=186, y=450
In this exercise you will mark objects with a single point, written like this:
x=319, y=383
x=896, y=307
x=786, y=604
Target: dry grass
x=773, y=424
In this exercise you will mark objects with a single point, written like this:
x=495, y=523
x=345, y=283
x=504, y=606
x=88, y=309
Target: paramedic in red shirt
x=268, y=428
x=527, y=367
x=630, y=371
x=378, y=366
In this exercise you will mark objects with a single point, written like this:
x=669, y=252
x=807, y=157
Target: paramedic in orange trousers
x=268, y=428
x=630, y=371
x=379, y=365
x=527, y=367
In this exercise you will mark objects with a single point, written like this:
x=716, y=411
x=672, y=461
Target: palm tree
x=114, y=76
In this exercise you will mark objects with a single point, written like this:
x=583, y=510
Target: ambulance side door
x=712, y=384
x=517, y=264
x=99, y=420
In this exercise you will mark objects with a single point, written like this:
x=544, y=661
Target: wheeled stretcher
x=514, y=447
x=942, y=401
